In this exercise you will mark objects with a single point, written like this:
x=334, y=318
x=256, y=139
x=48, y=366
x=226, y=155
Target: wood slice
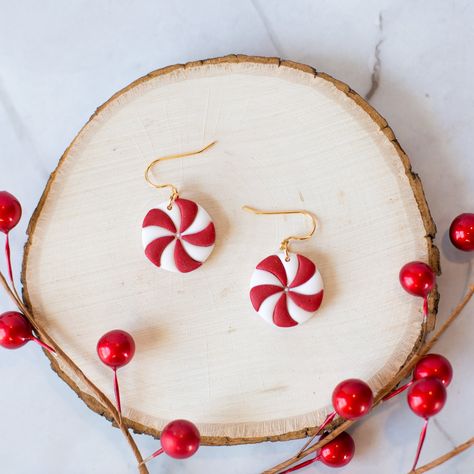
x=288, y=137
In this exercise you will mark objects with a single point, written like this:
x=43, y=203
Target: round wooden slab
x=288, y=137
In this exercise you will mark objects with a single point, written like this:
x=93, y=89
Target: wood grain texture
x=288, y=137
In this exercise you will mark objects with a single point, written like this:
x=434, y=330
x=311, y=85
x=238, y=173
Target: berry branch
x=107, y=405
x=401, y=375
x=180, y=439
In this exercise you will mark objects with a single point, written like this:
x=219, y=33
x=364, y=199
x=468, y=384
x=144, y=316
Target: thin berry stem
x=8, y=257
x=43, y=344
x=117, y=392
x=420, y=444
x=397, y=391
x=9, y=265
x=153, y=456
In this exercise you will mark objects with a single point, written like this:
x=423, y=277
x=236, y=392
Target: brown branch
x=445, y=457
x=107, y=405
x=399, y=376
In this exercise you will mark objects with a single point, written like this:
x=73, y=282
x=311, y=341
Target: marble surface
x=59, y=61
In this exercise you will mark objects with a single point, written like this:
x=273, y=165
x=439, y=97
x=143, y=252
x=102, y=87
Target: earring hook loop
x=174, y=190
x=285, y=243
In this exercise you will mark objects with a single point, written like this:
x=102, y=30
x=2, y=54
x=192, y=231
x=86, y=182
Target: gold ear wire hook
x=174, y=190
x=285, y=243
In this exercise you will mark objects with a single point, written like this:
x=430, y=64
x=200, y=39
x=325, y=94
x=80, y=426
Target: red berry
x=339, y=451
x=15, y=330
x=10, y=211
x=180, y=439
x=434, y=365
x=461, y=232
x=427, y=397
x=116, y=348
x=352, y=399
x=417, y=278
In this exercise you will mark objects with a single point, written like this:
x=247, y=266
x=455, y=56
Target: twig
x=326, y=422
x=107, y=405
x=399, y=376
x=445, y=457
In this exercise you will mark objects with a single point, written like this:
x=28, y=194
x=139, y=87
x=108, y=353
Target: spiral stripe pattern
x=286, y=293
x=179, y=239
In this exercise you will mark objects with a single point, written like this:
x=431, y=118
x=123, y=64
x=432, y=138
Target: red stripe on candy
x=307, y=302
x=155, y=249
x=204, y=238
x=306, y=269
x=188, y=210
x=159, y=218
x=273, y=265
x=281, y=317
x=184, y=263
x=258, y=294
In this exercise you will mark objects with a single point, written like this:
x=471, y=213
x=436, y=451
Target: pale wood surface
x=287, y=138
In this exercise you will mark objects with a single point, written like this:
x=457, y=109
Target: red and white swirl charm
x=179, y=239
x=286, y=292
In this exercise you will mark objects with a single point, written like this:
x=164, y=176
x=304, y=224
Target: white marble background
x=60, y=60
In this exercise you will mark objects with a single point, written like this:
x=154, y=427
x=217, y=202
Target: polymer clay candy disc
x=179, y=239
x=286, y=293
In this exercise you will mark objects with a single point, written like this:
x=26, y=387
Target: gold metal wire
x=285, y=243
x=174, y=190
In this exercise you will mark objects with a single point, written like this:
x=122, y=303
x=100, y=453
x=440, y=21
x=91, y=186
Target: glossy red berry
x=15, y=330
x=10, y=211
x=339, y=451
x=180, y=439
x=116, y=348
x=434, y=365
x=426, y=397
x=417, y=278
x=352, y=399
x=461, y=232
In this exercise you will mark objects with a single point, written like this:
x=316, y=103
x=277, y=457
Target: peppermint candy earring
x=286, y=289
x=178, y=235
